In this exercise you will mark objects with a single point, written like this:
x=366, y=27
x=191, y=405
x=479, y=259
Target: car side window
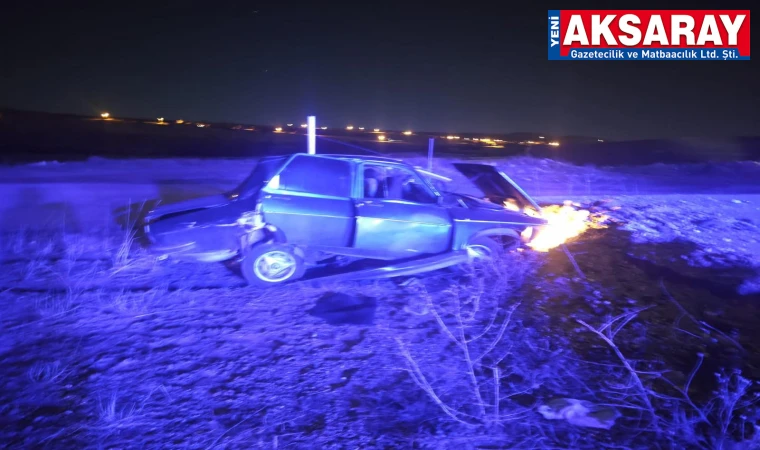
x=395, y=183
x=314, y=175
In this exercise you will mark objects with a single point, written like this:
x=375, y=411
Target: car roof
x=360, y=158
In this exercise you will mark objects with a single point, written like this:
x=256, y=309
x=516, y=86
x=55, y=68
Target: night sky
x=471, y=68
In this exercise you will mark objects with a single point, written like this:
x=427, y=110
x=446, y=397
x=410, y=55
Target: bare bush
x=497, y=365
x=722, y=422
x=496, y=369
x=122, y=254
x=112, y=410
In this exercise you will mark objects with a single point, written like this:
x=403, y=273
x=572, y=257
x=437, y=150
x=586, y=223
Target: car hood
x=496, y=185
x=187, y=206
x=474, y=202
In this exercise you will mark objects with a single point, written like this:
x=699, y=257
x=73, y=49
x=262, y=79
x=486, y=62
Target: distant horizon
x=297, y=125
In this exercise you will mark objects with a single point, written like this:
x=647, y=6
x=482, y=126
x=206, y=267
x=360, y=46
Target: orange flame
x=564, y=222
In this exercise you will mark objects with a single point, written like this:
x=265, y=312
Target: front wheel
x=271, y=264
x=483, y=251
x=488, y=248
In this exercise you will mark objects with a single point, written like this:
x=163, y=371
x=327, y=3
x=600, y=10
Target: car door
x=397, y=222
x=309, y=200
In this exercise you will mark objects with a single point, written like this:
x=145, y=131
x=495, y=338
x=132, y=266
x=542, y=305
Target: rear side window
x=315, y=175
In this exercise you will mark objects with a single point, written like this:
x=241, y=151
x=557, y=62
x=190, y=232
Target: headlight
x=531, y=211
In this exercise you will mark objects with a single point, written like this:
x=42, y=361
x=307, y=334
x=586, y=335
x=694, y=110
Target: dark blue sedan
x=303, y=210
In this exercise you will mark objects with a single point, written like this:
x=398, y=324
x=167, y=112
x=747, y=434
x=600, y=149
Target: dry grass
x=51, y=372
x=150, y=355
x=477, y=387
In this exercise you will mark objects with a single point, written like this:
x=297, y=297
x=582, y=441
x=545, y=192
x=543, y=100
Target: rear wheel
x=271, y=264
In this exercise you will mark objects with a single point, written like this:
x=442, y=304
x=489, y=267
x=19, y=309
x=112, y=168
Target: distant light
x=541, y=137
x=449, y=137
x=278, y=129
x=555, y=144
x=324, y=128
x=350, y=127
x=180, y=121
x=200, y=125
x=361, y=128
x=466, y=139
x=456, y=137
x=303, y=125
x=376, y=130
x=407, y=133
x=290, y=124
x=105, y=115
x=160, y=120
x=248, y=129
x=475, y=139
x=600, y=140
x=381, y=137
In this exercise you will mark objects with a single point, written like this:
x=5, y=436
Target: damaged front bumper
x=189, y=252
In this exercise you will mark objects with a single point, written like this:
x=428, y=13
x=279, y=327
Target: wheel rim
x=274, y=266
x=479, y=252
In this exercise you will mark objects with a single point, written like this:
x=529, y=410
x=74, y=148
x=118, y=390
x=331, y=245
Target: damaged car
x=304, y=210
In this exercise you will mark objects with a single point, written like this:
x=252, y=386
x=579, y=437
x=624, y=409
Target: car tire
x=484, y=248
x=269, y=264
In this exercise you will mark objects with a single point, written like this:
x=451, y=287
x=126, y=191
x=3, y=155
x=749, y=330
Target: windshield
x=261, y=174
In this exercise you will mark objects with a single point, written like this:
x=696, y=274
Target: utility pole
x=431, y=142
x=311, y=138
